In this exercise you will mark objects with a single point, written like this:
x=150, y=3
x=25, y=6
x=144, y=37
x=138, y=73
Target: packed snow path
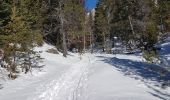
x=89, y=78
x=70, y=85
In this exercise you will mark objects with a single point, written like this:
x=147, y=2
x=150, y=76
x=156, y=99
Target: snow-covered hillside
x=94, y=77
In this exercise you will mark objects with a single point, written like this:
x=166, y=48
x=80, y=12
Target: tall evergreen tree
x=75, y=15
x=162, y=14
x=4, y=15
x=101, y=23
x=19, y=35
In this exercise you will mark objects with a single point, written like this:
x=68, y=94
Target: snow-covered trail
x=108, y=83
x=91, y=78
x=70, y=85
x=61, y=79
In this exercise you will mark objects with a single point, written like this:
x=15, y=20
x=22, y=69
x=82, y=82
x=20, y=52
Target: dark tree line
x=139, y=24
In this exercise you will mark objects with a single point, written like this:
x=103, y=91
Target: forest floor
x=93, y=77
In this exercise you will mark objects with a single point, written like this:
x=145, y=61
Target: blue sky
x=90, y=4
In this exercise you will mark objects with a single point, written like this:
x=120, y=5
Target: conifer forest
x=84, y=49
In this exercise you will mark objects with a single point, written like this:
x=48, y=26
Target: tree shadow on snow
x=165, y=49
x=1, y=86
x=144, y=72
x=134, y=69
x=159, y=94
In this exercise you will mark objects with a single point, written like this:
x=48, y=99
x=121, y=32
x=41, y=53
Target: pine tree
x=162, y=14
x=4, y=16
x=101, y=23
x=19, y=35
x=151, y=33
x=76, y=21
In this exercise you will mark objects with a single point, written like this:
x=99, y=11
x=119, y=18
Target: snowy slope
x=60, y=79
x=94, y=77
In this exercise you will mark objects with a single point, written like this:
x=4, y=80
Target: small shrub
x=150, y=56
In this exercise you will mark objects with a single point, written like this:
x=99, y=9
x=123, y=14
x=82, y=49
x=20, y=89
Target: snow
x=118, y=87
x=93, y=77
x=109, y=83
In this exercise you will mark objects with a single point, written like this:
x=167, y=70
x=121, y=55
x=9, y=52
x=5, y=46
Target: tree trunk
x=84, y=37
x=84, y=42
x=133, y=32
x=61, y=17
x=131, y=25
x=104, y=42
x=64, y=39
x=91, y=42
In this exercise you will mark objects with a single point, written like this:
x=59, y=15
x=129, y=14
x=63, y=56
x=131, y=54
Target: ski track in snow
x=69, y=86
